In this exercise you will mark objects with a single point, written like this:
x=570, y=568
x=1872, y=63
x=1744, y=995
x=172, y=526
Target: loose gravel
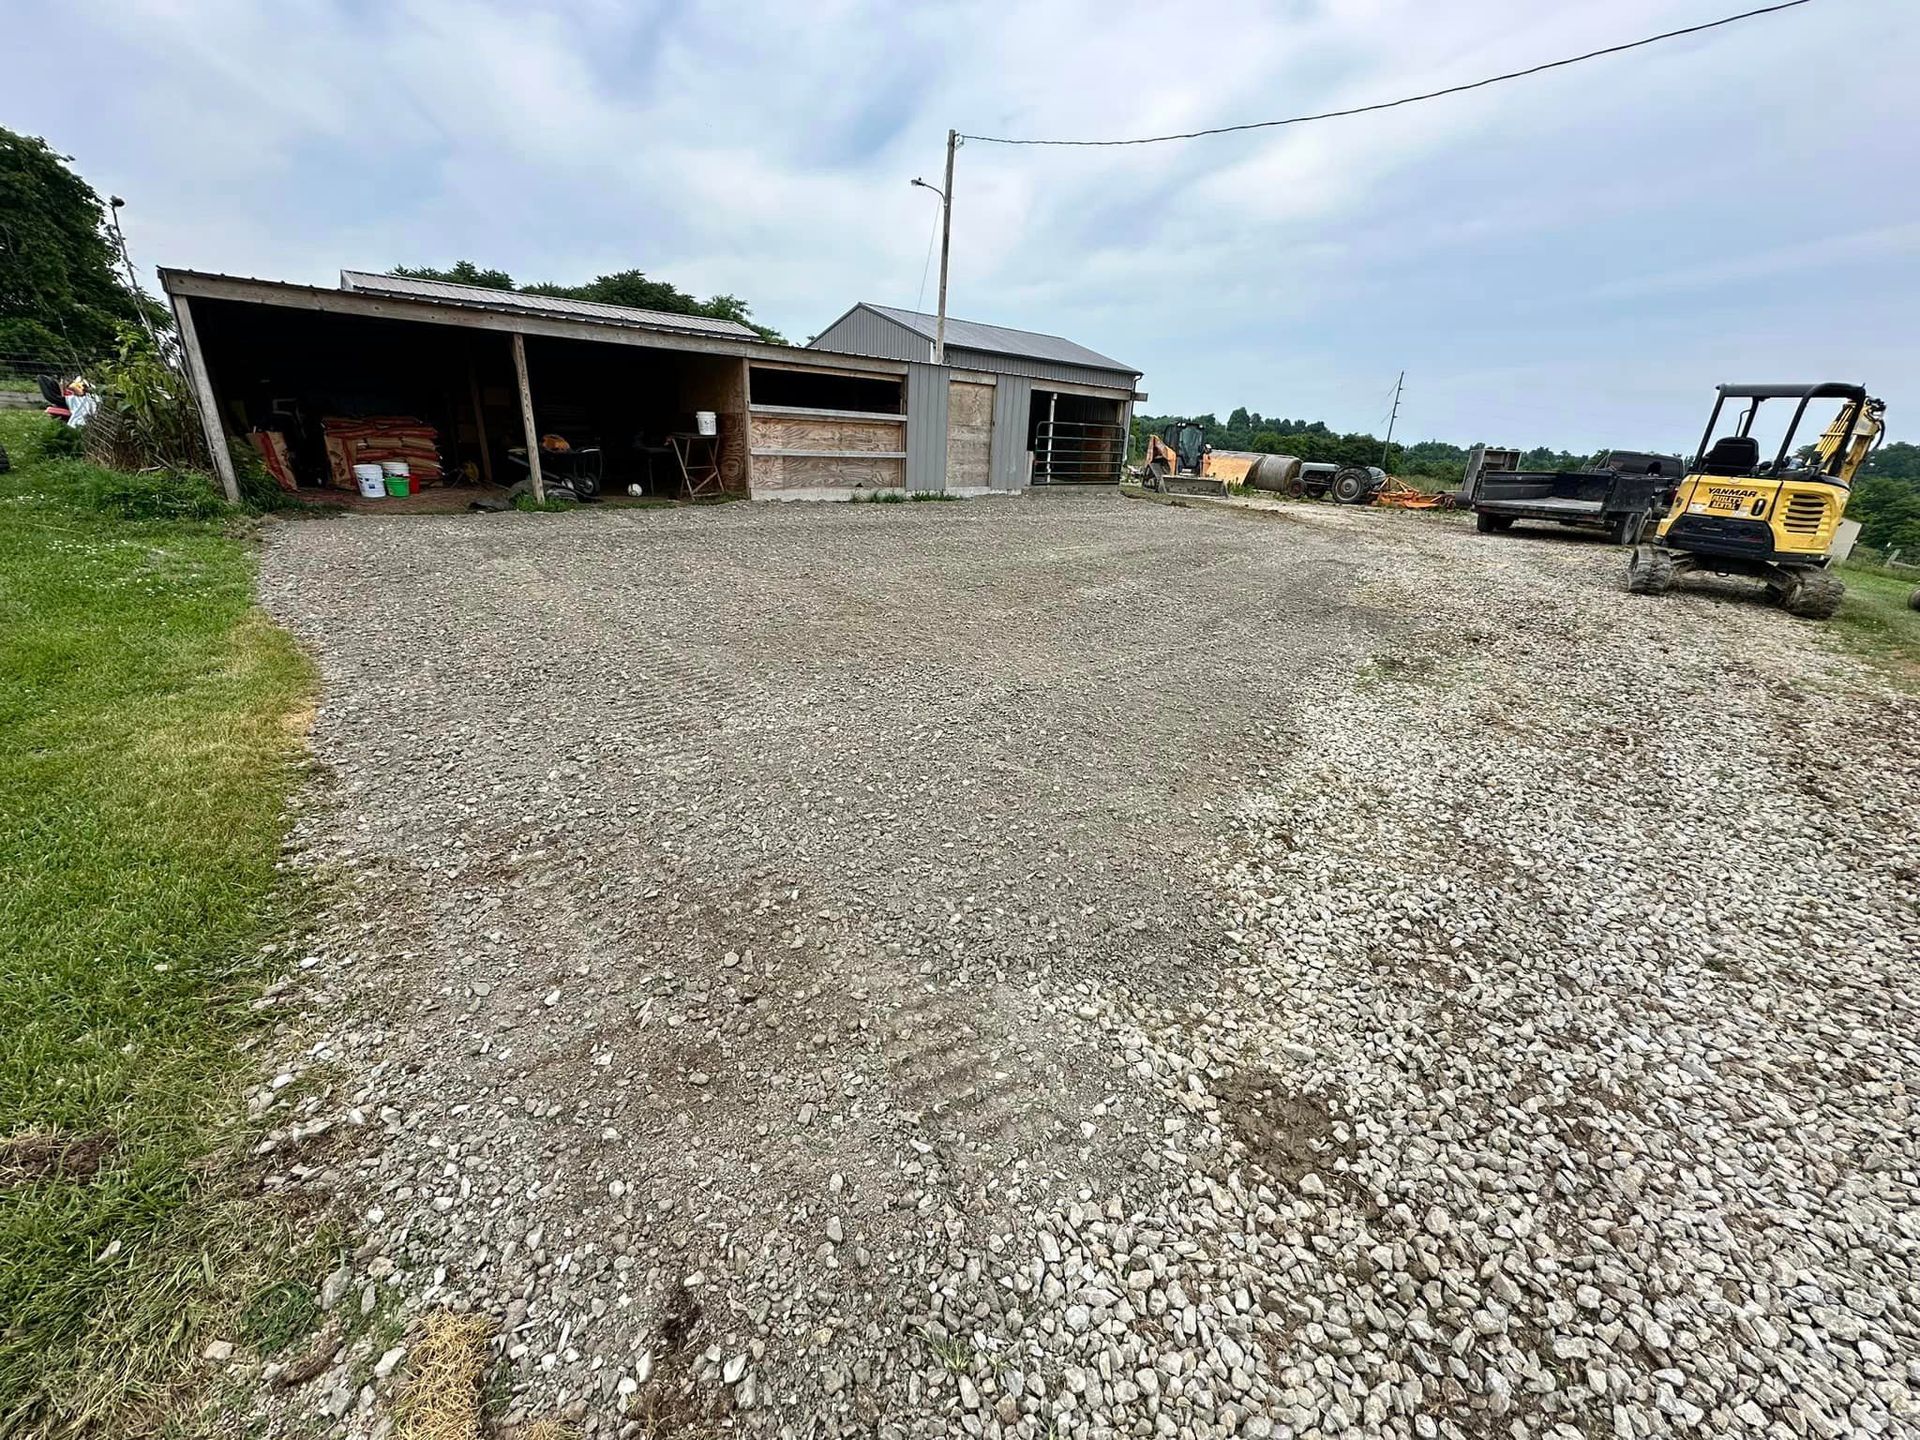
x=1069, y=966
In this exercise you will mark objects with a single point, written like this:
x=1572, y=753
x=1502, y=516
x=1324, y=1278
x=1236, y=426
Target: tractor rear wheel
x=1353, y=486
x=1813, y=594
x=1913, y=600
x=1650, y=570
x=1492, y=524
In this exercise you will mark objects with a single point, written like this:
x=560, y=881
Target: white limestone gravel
x=1076, y=967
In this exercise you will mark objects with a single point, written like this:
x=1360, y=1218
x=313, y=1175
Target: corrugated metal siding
x=926, y=427
x=1008, y=453
x=1003, y=340
x=866, y=331
x=862, y=332
x=1039, y=369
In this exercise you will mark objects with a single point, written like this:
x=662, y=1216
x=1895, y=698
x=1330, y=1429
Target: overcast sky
x=1571, y=259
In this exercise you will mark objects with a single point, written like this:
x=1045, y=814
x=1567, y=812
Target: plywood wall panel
x=969, y=436
x=802, y=432
x=775, y=473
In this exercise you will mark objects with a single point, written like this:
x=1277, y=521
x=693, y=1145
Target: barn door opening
x=1076, y=439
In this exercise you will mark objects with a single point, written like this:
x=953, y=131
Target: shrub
x=158, y=421
x=258, y=489
x=61, y=441
x=155, y=495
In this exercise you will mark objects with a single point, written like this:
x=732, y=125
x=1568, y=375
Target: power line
x=932, y=235
x=1409, y=99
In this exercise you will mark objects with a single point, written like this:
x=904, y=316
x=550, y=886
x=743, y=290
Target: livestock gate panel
x=926, y=427
x=1008, y=454
x=1077, y=439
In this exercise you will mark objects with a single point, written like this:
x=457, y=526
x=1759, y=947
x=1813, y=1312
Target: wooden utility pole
x=946, y=245
x=1387, y=444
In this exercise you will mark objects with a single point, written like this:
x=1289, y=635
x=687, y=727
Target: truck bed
x=1573, y=496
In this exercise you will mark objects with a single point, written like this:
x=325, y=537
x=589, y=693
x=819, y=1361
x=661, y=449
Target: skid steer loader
x=1179, y=460
x=1736, y=514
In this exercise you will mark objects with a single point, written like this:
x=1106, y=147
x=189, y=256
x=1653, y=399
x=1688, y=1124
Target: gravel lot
x=1070, y=966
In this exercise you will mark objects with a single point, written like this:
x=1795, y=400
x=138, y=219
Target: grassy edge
x=155, y=735
x=1877, y=623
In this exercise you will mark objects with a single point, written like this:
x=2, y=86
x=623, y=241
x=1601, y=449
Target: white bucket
x=395, y=468
x=706, y=422
x=373, y=484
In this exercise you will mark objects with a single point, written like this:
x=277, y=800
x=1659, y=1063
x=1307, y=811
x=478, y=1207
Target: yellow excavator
x=1735, y=514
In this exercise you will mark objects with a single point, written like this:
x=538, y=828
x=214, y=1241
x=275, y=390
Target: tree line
x=1885, y=498
x=1437, y=460
x=631, y=288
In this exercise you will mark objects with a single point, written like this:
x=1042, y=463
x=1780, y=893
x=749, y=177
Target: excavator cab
x=1742, y=511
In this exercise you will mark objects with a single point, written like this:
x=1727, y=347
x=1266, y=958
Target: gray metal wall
x=927, y=399
x=1007, y=455
x=864, y=332
x=1043, y=370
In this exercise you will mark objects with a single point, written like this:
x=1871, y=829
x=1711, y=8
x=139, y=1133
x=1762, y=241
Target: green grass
x=151, y=728
x=1876, y=620
x=954, y=1353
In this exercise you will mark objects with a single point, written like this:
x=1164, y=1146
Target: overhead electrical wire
x=1408, y=99
x=921, y=298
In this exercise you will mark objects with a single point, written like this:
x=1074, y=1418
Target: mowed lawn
x=150, y=733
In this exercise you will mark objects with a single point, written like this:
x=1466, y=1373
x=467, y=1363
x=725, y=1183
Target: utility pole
x=946, y=245
x=946, y=242
x=1387, y=444
x=114, y=202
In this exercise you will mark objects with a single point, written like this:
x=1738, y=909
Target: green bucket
x=396, y=484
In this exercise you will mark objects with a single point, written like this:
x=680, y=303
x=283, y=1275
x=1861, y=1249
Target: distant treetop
x=630, y=288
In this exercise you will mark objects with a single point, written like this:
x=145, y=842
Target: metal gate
x=1078, y=452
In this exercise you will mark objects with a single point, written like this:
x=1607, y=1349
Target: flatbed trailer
x=1619, y=496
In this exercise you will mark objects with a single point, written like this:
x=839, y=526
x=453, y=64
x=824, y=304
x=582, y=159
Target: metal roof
x=518, y=302
x=1000, y=340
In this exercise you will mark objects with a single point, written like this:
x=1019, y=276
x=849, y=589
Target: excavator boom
x=1842, y=453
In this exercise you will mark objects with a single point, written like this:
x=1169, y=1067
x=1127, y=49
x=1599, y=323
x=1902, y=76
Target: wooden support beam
x=746, y=427
x=202, y=382
x=526, y=418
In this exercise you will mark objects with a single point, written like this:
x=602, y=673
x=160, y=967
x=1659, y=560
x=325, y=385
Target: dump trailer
x=1619, y=496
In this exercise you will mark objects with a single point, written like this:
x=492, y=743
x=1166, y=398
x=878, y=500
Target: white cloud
x=1885, y=242
x=1523, y=249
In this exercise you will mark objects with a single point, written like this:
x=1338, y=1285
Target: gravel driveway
x=1069, y=966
